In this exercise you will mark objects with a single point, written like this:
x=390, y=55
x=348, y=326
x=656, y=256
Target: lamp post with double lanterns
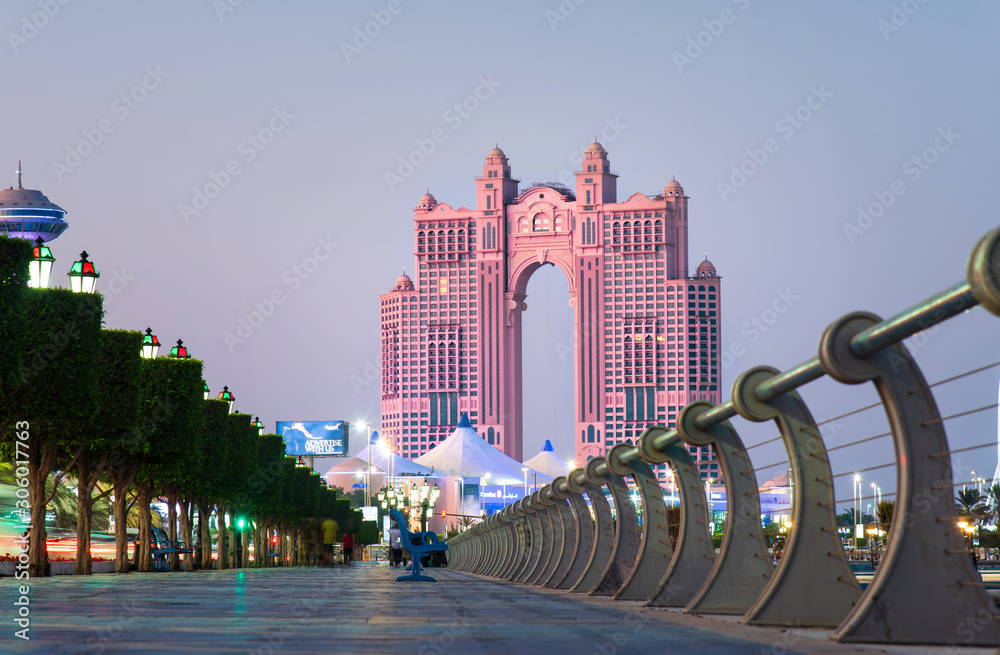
x=424, y=497
x=391, y=497
x=872, y=534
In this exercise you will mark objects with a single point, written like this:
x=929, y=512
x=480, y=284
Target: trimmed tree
x=212, y=483
x=171, y=407
x=56, y=393
x=15, y=254
x=119, y=367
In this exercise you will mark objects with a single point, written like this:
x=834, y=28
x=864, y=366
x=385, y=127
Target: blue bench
x=417, y=544
x=160, y=548
x=163, y=546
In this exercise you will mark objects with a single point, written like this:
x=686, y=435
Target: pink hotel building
x=646, y=332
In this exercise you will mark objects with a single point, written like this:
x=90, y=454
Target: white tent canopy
x=466, y=454
x=388, y=462
x=359, y=463
x=547, y=462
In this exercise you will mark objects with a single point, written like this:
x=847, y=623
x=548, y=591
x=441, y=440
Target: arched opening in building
x=548, y=364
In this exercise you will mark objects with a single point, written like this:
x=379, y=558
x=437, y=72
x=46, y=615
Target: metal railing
x=926, y=589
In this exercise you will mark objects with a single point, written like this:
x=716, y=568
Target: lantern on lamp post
x=150, y=345
x=82, y=275
x=208, y=392
x=228, y=396
x=179, y=351
x=40, y=268
x=257, y=424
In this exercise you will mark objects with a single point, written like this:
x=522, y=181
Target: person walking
x=395, y=545
x=348, y=548
x=329, y=528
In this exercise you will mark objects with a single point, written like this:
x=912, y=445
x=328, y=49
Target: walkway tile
x=362, y=609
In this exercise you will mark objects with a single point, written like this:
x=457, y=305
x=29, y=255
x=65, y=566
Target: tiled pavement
x=362, y=609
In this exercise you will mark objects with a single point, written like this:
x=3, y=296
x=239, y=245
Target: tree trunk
x=223, y=543
x=83, y=515
x=40, y=459
x=145, y=526
x=256, y=545
x=245, y=541
x=185, y=533
x=268, y=529
x=121, y=524
x=205, y=533
x=284, y=546
x=173, y=559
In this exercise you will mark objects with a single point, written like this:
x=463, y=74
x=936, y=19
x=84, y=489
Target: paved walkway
x=362, y=609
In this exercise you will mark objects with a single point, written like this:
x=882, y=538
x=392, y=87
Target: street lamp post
x=482, y=503
x=856, y=493
x=872, y=531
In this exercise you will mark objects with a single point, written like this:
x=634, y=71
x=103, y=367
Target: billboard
x=319, y=438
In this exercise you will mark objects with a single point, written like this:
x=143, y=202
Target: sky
x=233, y=167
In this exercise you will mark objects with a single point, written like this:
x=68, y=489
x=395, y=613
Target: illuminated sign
x=322, y=438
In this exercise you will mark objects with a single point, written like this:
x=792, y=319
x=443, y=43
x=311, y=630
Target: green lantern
x=83, y=276
x=179, y=351
x=228, y=396
x=150, y=344
x=40, y=268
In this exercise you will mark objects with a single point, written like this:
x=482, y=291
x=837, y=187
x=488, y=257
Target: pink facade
x=646, y=333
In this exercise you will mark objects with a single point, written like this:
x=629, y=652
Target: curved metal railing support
x=585, y=541
x=626, y=528
x=925, y=556
x=534, y=536
x=743, y=566
x=537, y=524
x=556, y=533
x=813, y=557
x=654, y=544
x=604, y=527
x=570, y=543
x=694, y=555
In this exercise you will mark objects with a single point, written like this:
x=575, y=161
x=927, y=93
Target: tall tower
x=646, y=329
x=27, y=214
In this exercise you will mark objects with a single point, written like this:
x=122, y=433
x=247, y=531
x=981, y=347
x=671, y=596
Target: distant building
x=27, y=214
x=646, y=331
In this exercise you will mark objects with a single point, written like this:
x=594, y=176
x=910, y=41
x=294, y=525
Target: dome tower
x=28, y=214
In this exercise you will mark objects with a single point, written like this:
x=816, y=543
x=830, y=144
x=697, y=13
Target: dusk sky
x=129, y=114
